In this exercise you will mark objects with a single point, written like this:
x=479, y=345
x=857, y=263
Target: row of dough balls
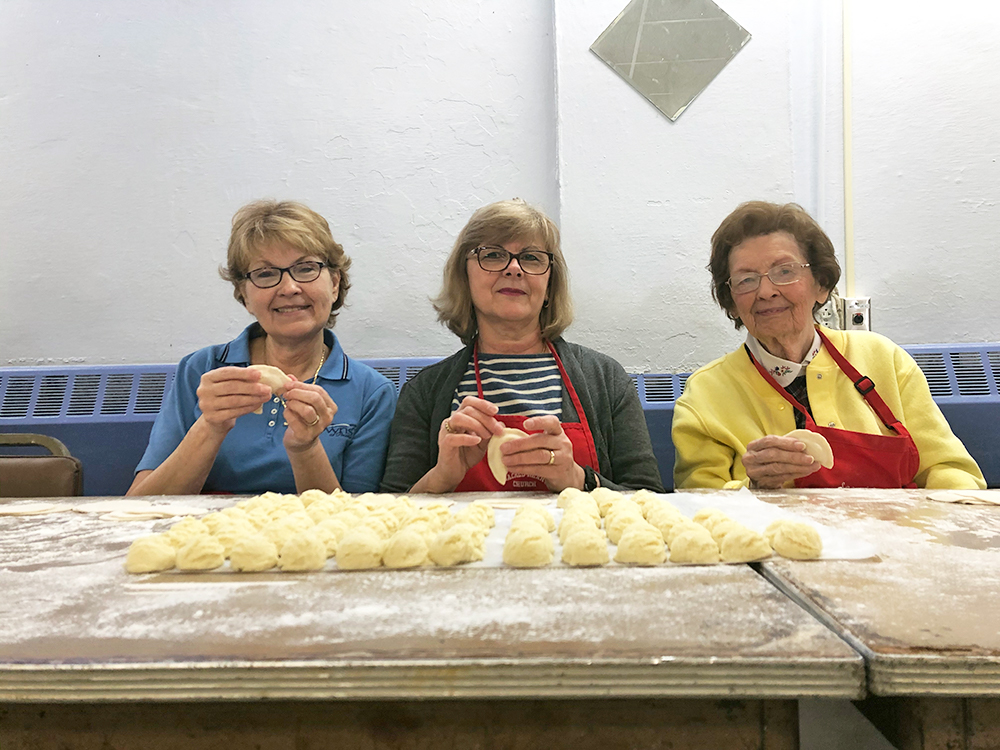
x=301, y=532
x=647, y=530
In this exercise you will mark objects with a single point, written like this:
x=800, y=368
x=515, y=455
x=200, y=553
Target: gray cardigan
x=624, y=452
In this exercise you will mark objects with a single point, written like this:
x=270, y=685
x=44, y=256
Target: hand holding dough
x=493, y=455
x=273, y=378
x=816, y=446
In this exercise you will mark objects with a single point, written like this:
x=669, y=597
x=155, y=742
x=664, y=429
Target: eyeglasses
x=786, y=273
x=494, y=258
x=271, y=276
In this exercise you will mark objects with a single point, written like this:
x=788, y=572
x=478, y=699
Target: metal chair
x=56, y=475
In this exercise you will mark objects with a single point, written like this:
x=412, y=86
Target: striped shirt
x=524, y=384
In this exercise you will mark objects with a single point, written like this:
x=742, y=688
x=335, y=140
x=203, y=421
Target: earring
x=545, y=304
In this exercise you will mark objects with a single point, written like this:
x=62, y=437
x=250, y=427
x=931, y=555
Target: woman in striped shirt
x=506, y=296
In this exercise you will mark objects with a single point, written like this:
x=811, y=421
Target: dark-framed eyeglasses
x=271, y=276
x=786, y=273
x=494, y=258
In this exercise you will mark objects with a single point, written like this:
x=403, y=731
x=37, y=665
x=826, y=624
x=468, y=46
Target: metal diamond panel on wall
x=670, y=50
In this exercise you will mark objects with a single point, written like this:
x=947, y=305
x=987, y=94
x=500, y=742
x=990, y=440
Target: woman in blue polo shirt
x=329, y=429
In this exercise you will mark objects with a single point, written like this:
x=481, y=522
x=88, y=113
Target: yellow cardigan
x=726, y=404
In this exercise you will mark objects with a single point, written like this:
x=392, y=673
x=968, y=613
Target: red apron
x=860, y=459
x=480, y=479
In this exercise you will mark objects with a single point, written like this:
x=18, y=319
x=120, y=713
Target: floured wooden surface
x=936, y=589
x=67, y=598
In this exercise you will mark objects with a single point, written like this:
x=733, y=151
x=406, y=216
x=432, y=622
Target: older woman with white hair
x=506, y=296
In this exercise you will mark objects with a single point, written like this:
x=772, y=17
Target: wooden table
x=608, y=657
x=926, y=617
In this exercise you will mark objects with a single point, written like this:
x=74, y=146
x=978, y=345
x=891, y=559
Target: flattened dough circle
x=816, y=446
x=493, y=456
x=273, y=377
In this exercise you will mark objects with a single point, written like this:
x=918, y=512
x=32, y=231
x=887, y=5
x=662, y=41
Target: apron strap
x=864, y=385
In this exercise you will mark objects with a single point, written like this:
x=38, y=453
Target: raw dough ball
x=148, y=554
x=575, y=521
x=795, y=540
x=584, y=503
x=184, y=530
x=744, y=545
x=331, y=531
x=693, y=546
x=460, y=543
x=641, y=544
x=536, y=509
x=253, y=554
x=567, y=495
x=585, y=546
x=708, y=517
x=665, y=519
x=304, y=551
x=817, y=446
x=494, y=457
x=360, y=549
x=203, y=552
x=678, y=528
x=227, y=535
x=605, y=498
x=722, y=528
x=528, y=546
x=406, y=549
x=616, y=525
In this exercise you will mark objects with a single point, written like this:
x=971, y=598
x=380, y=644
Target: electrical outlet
x=828, y=314
x=857, y=313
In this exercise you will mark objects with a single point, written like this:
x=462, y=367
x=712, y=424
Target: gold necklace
x=321, y=361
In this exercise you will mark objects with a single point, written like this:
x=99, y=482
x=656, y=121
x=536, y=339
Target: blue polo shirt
x=252, y=458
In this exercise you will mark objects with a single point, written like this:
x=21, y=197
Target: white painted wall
x=131, y=132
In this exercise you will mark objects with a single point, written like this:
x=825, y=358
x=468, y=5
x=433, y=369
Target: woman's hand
x=547, y=455
x=462, y=441
x=227, y=393
x=773, y=461
x=308, y=411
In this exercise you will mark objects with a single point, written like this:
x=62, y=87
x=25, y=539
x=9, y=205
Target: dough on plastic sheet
x=493, y=456
x=273, y=378
x=253, y=554
x=149, y=554
x=572, y=522
x=406, y=549
x=817, y=446
x=708, y=517
x=678, y=528
x=303, y=551
x=641, y=544
x=605, y=497
x=457, y=544
x=967, y=497
x=536, y=509
x=617, y=524
x=568, y=495
x=693, y=546
x=584, y=503
x=744, y=545
x=360, y=549
x=721, y=529
x=585, y=546
x=794, y=539
x=202, y=552
x=528, y=546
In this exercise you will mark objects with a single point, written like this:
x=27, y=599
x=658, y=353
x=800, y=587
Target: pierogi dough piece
x=568, y=495
x=744, y=545
x=641, y=544
x=536, y=509
x=528, y=546
x=678, y=528
x=457, y=544
x=493, y=456
x=406, y=549
x=149, y=554
x=360, y=549
x=202, y=552
x=708, y=517
x=253, y=554
x=795, y=540
x=585, y=546
x=605, y=497
x=303, y=551
x=273, y=378
x=817, y=446
x=694, y=546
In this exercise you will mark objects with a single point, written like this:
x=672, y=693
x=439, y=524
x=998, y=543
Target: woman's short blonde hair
x=497, y=224
x=261, y=224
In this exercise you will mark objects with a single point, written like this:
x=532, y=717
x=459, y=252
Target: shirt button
x=832, y=424
x=271, y=423
x=274, y=411
x=276, y=399
x=819, y=376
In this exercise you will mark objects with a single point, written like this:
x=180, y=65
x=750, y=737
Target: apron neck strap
x=864, y=385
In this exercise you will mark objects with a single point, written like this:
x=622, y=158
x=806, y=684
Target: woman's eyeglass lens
x=270, y=276
x=493, y=258
x=786, y=273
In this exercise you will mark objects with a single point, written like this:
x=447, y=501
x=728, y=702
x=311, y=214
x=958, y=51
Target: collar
x=782, y=370
x=336, y=366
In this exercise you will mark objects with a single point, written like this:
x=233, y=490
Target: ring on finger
x=552, y=457
x=314, y=422
x=447, y=426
